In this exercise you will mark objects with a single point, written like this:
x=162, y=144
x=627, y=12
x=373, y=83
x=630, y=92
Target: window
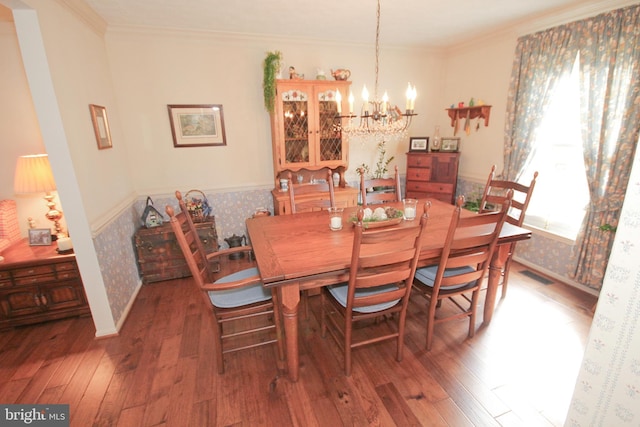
x=561, y=193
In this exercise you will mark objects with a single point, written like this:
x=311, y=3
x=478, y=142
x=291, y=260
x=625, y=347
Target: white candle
x=365, y=99
x=351, y=103
x=408, y=94
x=336, y=223
x=414, y=94
x=339, y=101
x=410, y=213
x=64, y=244
x=385, y=100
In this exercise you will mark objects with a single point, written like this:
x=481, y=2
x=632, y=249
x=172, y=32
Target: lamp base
x=54, y=215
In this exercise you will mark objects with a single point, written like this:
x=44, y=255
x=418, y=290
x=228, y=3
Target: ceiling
x=434, y=23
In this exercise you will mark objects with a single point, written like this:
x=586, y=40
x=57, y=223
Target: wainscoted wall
x=116, y=251
x=115, y=243
x=548, y=255
x=116, y=256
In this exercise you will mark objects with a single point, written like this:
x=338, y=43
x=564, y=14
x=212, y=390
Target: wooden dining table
x=299, y=252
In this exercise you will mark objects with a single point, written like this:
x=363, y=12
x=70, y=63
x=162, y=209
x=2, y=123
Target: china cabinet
x=37, y=284
x=432, y=175
x=307, y=137
x=306, y=131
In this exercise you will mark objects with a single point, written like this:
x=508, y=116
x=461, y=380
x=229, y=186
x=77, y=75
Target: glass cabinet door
x=329, y=127
x=295, y=109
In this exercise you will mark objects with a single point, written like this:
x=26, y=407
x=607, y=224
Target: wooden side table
x=37, y=284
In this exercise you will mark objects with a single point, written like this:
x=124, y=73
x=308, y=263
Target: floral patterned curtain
x=610, y=117
x=541, y=59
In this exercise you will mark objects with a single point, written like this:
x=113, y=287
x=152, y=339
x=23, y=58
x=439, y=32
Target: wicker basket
x=197, y=205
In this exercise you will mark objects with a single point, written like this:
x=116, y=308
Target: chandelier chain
x=375, y=89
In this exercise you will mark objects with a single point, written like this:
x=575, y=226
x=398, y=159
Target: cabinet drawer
x=429, y=187
x=418, y=174
x=30, y=271
x=66, y=266
x=4, y=275
x=33, y=280
x=419, y=161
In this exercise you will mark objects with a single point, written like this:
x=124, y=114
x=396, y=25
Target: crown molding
x=87, y=15
x=533, y=24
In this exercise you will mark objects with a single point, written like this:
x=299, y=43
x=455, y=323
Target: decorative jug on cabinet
x=341, y=74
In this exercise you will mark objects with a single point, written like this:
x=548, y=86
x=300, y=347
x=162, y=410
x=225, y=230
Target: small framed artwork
x=197, y=125
x=450, y=143
x=419, y=143
x=101, y=126
x=39, y=236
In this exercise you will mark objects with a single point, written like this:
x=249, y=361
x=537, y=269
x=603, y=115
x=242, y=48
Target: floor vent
x=536, y=277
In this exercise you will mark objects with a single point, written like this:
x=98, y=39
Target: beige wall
x=151, y=70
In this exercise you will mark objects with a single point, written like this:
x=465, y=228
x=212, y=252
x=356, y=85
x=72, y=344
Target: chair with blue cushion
x=247, y=315
x=470, y=242
x=383, y=262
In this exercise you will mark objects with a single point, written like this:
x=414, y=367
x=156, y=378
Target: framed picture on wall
x=450, y=143
x=419, y=143
x=100, y=126
x=197, y=125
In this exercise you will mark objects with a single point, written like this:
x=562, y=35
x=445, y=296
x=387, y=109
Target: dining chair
x=231, y=287
x=468, y=248
x=380, y=190
x=494, y=196
x=311, y=196
x=383, y=263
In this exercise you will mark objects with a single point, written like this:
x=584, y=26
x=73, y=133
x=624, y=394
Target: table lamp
x=33, y=175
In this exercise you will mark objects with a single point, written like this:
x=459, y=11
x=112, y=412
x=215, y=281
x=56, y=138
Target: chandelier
x=377, y=116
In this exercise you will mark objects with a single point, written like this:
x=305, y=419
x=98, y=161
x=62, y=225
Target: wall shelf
x=481, y=111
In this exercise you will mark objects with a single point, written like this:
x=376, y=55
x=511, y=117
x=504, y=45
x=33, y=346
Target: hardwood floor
x=160, y=370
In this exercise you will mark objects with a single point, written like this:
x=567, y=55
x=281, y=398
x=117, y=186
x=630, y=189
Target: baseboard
x=556, y=276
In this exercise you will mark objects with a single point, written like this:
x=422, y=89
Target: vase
x=436, y=141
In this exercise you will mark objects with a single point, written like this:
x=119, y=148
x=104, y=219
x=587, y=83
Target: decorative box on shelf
x=160, y=257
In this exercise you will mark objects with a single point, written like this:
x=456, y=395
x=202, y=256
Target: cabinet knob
x=43, y=299
x=36, y=300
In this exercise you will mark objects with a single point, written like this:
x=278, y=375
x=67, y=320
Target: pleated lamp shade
x=33, y=175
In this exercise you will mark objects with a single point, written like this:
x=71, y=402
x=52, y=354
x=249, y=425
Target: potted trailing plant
x=271, y=66
x=382, y=165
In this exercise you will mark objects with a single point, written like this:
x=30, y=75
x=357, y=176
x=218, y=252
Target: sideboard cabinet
x=159, y=255
x=432, y=175
x=37, y=284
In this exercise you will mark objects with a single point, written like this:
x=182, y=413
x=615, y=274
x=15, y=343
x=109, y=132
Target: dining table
x=299, y=252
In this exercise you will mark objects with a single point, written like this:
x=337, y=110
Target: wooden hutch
x=306, y=138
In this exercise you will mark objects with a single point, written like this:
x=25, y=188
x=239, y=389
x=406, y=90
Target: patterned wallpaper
x=607, y=391
x=116, y=251
x=115, y=244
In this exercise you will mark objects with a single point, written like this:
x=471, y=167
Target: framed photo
x=419, y=143
x=450, y=143
x=101, y=126
x=40, y=236
x=197, y=125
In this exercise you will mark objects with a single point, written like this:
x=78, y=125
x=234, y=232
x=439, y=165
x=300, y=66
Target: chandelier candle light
x=377, y=117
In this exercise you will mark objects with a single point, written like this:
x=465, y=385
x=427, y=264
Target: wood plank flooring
x=160, y=370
